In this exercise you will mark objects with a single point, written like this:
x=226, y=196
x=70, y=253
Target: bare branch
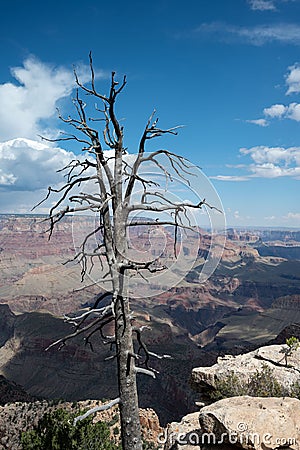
x=145, y=371
x=97, y=409
x=61, y=342
x=147, y=354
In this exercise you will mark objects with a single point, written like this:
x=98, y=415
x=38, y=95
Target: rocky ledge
x=286, y=371
x=255, y=423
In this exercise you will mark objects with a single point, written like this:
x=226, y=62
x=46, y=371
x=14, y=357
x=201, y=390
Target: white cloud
x=293, y=111
x=285, y=33
x=263, y=34
x=262, y=5
x=275, y=110
x=270, y=170
x=33, y=98
x=292, y=218
x=27, y=168
x=292, y=79
x=267, y=162
x=273, y=162
x=260, y=122
x=270, y=218
x=262, y=154
x=24, y=105
x=266, y=5
x=229, y=178
x=279, y=111
x=27, y=165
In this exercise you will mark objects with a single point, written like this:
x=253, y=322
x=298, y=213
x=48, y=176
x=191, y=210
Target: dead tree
x=112, y=186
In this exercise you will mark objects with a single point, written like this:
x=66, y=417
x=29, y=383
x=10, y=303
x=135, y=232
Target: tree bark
x=129, y=408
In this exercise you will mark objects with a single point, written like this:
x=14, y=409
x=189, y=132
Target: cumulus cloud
x=292, y=79
x=293, y=111
x=29, y=165
x=267, y=162
x=27, y=168
x=33, y=97
x=273, y=162
x=275, y=110
x=279, y=110
x=262, y=154
x=24, y=104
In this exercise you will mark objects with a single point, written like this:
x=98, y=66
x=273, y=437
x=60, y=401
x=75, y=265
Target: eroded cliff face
x=33, y=276
x=77, y=372
x=39, y=289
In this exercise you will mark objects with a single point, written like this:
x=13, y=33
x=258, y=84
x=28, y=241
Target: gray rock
x=182, y=435
x=252, y=423
x=246, y=365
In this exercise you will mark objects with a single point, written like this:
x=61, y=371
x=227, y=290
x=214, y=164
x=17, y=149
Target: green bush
x=264, y=384
x=295, y=390
x=261, y=384
x=55, y=431
x=230, y=386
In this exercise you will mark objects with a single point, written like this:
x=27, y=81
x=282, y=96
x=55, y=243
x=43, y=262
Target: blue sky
x=229, y=71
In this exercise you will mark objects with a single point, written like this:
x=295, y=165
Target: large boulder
x=252, y=423
x=183, y=435
x=204, y=379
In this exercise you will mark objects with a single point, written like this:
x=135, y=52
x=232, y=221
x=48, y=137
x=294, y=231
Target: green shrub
x=55, y=431
x=230, y=386
x=261, y=384
x=295, y=390
x=264, y=384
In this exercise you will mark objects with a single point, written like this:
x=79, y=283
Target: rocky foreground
x=240, y=421
x=243, y=421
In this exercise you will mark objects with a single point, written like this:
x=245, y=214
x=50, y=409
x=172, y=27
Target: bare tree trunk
x=129, y=409
x=112, y=175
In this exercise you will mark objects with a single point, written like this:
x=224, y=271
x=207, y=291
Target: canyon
x=248, y=301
